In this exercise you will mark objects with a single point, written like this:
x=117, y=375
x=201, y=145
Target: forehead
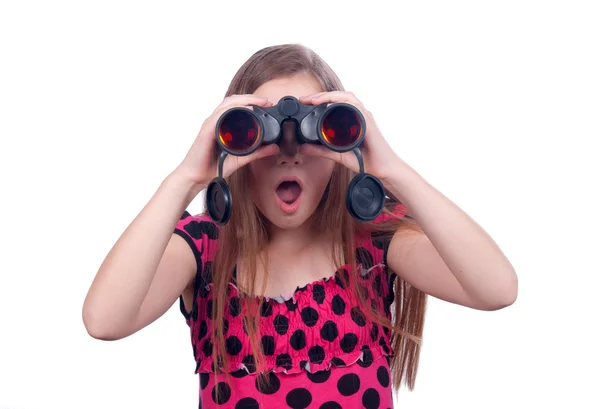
x=297, y=86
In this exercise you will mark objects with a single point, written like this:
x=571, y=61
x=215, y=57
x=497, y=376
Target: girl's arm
x=146, y=270
x=456, y=260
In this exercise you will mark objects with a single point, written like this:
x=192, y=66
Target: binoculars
x=338, y=126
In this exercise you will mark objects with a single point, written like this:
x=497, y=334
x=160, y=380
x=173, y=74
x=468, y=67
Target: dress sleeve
x=381, y=239
x=201, y=234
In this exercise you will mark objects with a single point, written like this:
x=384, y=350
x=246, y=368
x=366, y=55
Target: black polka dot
x=298, y=398
x=223, y=394
x=207, y=348
x=267, y=386
x=380, y=239
x=225, y=326
x=284, y=360
x=210, y=229
x=240, y=373
x=319, y=293
x=364, y=257
x=203, y=330
x=339, y=281
x=207, y=274
x=310, y=316
x=338, y=305
x=374, y=332
x=316, y=354
x=330, y=405
x=377, y=286
x=281, y=324
x=250, y=363
x=384, y=345
x=203, y=290
x=196, y=229
x=291, y=305
x=298, y=340
x=358, y=317
x=247, y=403
x=234, y=306
x=194, y=313
x=374, y=303
x=303, y=365
x=387, y=306
x=348, y=342
x=383, y=376
x=329, y=331
x=209, y=308
x=367, y=358
x=266, y=309
x=319, y=376
x=204, y=380
x=214, y=366
x=338, y=362
x=233, y=345
x=268, y=344
x=348, y=384
x=370, y=399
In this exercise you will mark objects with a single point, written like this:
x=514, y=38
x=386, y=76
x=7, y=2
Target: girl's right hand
x=200, y=163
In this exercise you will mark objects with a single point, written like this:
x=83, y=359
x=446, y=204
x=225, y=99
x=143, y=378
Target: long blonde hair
x=247, y=222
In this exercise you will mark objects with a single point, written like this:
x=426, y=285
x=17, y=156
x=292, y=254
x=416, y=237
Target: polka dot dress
x=320, y=350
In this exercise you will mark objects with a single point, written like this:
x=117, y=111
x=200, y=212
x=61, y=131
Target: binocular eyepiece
x=339, y=126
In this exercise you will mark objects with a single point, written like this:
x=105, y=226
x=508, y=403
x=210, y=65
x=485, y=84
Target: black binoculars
x=338, y=126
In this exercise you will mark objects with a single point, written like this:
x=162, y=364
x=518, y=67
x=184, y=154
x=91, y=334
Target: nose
x=288, y=145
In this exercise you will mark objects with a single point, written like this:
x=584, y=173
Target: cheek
x=258, y=172
x=321, y=171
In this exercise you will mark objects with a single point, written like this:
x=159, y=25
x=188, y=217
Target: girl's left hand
x=378, y=156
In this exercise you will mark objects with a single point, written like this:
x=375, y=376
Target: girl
x=296, y=306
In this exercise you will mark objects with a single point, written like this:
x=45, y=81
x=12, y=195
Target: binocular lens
x=239, y=130
x=341, y=127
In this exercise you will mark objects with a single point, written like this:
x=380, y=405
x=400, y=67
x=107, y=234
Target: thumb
x=262, y=152
x=310, y=149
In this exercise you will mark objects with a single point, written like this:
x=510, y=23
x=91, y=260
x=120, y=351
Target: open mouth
x=288, y=191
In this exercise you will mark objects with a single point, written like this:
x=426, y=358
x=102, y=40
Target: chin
x=287, y=221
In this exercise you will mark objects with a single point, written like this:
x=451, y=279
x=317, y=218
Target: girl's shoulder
x=374, y=238
x=202, y=235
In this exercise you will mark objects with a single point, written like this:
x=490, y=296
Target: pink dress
x=320, y=350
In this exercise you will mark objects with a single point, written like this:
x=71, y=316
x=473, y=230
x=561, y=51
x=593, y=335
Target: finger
x=232, y=163
x=346, y=159
x=318, y=151
x=307, y=98
x=243, y=100
x=262, y=152
x=335, y=96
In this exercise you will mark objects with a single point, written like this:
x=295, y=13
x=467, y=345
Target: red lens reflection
x=239, y=130
x=341, y=127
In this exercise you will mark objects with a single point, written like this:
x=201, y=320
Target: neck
x=291, y=241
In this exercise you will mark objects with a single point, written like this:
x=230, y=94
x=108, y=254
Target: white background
x=497, y=104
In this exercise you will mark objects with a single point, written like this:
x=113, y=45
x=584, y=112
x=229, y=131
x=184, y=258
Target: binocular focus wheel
x=365, y=197
x=218, y=201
